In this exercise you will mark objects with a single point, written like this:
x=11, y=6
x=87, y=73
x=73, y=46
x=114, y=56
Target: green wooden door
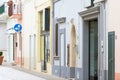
x=111, y=44
x=93, y=50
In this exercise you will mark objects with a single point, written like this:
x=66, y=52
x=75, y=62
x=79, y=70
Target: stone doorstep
x=71, y=79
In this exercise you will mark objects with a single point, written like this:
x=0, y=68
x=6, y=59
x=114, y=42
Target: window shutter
x=111, y=45
x=2, y=9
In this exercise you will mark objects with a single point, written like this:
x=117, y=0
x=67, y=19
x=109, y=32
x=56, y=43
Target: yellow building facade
x=44, y=45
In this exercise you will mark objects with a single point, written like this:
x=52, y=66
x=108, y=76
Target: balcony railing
x=17, y=8
x=14, y=8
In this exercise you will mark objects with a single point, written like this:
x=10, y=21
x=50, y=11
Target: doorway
x=93, y=50
x=73, y=50
x=15, y=44
x=46, y=50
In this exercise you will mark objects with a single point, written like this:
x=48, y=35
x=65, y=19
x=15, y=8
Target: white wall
x=29, y=29
x=3, y=37
x=10, y=25
x=10, y=31
x=70, y=9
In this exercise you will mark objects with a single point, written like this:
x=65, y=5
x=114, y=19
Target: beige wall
x=29, y=29
x=73, y=50
x=40, y=5
x=114, y=25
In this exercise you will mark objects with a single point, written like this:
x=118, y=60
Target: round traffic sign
x=18, y=27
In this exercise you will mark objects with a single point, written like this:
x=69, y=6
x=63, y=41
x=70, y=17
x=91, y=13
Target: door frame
x=89, y=14
x=61, y=31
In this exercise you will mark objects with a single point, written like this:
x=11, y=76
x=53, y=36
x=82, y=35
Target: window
x=56, y=40
x=92, y=2
x=47, y=19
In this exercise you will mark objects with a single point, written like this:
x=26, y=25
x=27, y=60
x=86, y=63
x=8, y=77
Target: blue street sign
x=18, y=27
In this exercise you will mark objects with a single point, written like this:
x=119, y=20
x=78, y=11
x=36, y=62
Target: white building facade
x=3, y=27
x=29, y=32
x=80, y=40
x=10, y=43
x=14, y=38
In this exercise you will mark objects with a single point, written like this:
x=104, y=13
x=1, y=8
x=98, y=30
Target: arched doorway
x=73, y=50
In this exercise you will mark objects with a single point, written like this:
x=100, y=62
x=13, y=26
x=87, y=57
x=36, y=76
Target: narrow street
x=7, y=73
x=59, y=39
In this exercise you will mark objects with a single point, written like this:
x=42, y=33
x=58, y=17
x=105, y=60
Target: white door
x=10, y=48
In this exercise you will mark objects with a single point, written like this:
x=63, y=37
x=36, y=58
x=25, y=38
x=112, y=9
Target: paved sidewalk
x=7, y=73
x=18, y=72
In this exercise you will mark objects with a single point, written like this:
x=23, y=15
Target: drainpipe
x=30, y=52
x=21, y=48
x=34, y=51
x=53, y=34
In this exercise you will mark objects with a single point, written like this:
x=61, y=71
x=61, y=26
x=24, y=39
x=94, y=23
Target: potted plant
x=1, y=57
